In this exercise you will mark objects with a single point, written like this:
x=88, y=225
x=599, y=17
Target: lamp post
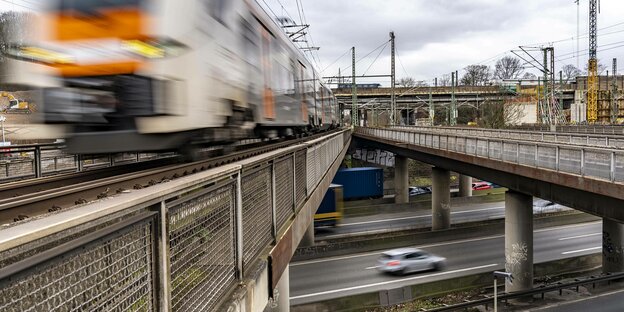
x=2, y=120
x=496, y=275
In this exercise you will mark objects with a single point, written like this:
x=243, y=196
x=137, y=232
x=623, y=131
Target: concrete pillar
x=440, y=199
x=283, y=290
x=612, y=249
x=519, y=240
x=401, y=180
x=308, y=238
x=465, y=186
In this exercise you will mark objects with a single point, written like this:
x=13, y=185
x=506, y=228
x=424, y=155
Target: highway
x=327, y=278
x=419, y=218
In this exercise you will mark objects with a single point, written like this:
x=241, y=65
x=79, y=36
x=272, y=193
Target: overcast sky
x=436, y=37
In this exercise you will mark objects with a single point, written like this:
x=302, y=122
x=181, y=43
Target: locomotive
x=153, y=75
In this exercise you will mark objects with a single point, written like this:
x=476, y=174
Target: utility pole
x=393, y=115
x=453, y=108
x=615, y=110
x=431, y=108
x=354, y=107
x=546, y=84
x=578, y=32
x=592, y=66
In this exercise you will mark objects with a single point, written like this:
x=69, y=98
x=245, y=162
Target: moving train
x=150, y=75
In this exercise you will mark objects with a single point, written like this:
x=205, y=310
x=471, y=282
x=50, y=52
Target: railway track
x=20, y=201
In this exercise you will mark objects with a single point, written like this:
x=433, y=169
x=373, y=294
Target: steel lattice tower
x=592, y=66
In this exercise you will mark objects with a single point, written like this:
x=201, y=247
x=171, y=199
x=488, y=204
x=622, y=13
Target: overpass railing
x=600, y=163
x=181, y=245
x=614, y=141
x=596, y=129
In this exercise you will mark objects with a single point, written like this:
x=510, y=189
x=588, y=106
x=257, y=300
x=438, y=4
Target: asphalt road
x=420, y=218
x=327, y=278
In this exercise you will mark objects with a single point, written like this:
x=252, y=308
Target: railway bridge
x=219, y=239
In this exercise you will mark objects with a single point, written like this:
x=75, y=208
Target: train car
x=330, y=212
x=151, y=75
x=360, y=183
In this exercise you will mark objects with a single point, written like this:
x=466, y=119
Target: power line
x=371, y=65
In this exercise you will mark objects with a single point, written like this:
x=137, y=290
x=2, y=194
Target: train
x=359, y=85
x=155, y=75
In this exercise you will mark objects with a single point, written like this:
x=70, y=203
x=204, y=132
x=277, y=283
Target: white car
x=407, y=260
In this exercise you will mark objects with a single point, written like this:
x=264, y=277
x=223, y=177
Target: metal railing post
x=239, y=225
x=38, y=172
x=162, y=266
x=582, y=162
x=273, y=201
x=612, y=167
x=294, y=180
x=79, y=163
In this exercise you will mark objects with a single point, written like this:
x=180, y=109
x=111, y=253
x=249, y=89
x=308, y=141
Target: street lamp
x=506, y=275
x=2, y=120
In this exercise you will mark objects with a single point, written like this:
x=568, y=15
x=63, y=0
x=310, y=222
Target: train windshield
x=92, y=6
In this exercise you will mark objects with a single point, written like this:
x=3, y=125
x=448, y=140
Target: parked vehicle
x=406, y=260
x=419, y=190
x=360, y=183
x=481, y=185
x=329, y=212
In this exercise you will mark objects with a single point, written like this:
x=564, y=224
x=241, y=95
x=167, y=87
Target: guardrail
x=601, y=163
x=614, y=141
x=37, y=160
x=532, y=292
x=604, y=129
x=180, y=245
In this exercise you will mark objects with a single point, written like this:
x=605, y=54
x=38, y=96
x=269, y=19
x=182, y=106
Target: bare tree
x=496, y=114
x=570, y=72
x=476, y=75
x=407, y=82
x=508, y=67
x=444, y=81
x=529, y=76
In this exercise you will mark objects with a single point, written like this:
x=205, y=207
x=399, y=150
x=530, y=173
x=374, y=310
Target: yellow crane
x=592, y=66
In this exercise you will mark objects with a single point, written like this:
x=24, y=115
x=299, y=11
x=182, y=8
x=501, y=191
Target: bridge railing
x=595, y=129
x=600, y=163
x=181, y=245
x=37, y=160
x=614, y=141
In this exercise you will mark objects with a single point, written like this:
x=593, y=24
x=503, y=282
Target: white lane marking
x=370, y=268
x=417, y=217
x=392, y=281
x=580, y=236
x=438, y=244
x=379, y=252
x=580, y=250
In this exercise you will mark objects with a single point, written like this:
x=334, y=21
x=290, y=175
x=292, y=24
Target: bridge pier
x=519, y=240
x=401, y=180
x=283, y=290
x=465, y=186
x=440, y=199
x=612, y=246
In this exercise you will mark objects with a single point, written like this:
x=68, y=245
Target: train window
x=92, y=6
x=251, y=44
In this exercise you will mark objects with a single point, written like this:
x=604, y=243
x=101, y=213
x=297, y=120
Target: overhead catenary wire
x=375, y=60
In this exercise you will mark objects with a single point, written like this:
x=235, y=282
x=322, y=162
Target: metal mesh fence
x=202, y=253
x=597, y=164
x=283, y=191
x=570, y=160
x=510, y=152
x=311, y=161
x=547, y=157
x=482, y=148
x=114, y=274
x=257, y=213
x=495, y=149
x=300, y=177
x=619, y=168
x=526, y=155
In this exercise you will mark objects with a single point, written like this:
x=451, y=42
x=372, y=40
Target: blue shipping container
x=360, y=183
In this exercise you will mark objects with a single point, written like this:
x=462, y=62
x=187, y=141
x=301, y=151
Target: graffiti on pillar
x=518, y=254
x=379, y=157
x=610, y=252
